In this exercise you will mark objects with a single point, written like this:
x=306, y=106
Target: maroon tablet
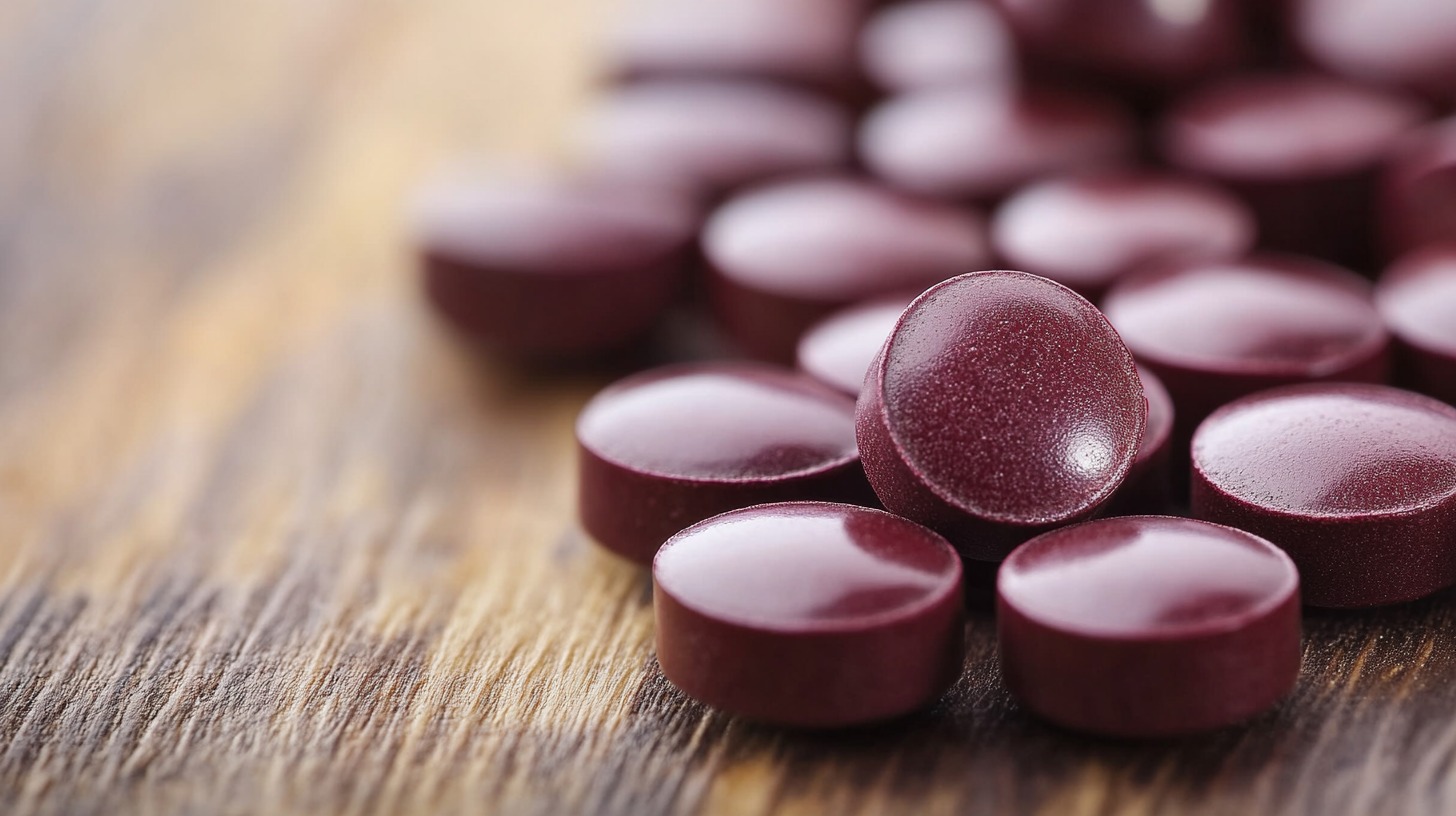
x=1088, y=230
x=1002, y=405
x=712, y=137
x=1356, y=482
x=980, y=143
x=1214, y=331
x=783, y=256
x=809, y=615
x=670, y=447
x=1302, y=150
x=1417, y=298
x=549, y=266
x=1148, y=626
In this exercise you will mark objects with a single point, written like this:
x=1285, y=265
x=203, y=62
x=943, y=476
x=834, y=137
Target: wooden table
x=270, y=544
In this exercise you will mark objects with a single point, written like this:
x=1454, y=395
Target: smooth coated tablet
x=1089, y=230
x=783, y=256
x=980, y=143
x=1356, y=482
x=1417, y=298
x=1148, y=626
x=666, y=448
x=1214, y=331
x=1302, y=150
x=547, y=266
x=1002, y=405
x=809, y=615
x=712, y=137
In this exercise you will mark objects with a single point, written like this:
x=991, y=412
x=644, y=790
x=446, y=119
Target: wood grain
x=270, y=544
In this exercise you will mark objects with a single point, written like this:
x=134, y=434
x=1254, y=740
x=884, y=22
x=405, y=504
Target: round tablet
x=1086, y=231
x=552, y=267
x=1356, y=482
x=1149, y=485
x=1214, y=331
x=1418, y=189
x=980, y=143
x=1131, y=44
x=839, y=349
x=1302, y=150
x=1417, y=298
x=783, y=256
x=1391, y=42
x=923, y=43
x=809, y=614
x=711, y=137
x=1002, y=404
x=1148, y=626
x=804, y=42
x=670, y=447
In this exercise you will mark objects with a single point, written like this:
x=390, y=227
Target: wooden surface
x=270, y=544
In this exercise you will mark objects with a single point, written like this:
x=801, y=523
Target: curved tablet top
x=1281, y=127
x=1012, y=397
x=1146, y=577
x=1270, y=315
x=542, y=224
x=807, y=565
x=1417, y=298
x=720, y=422
x=1332, y=451
x=828, y=238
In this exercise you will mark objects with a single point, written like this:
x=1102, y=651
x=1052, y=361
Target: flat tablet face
x=800, y=40
x=709, y=136
x=1012, y=397
x=1332, y=451
x=840, y=349
x=1087, y=231
x=1273, y=315
x=525, y=223
x=1417, y=298
x=1401, y=42
x=925, y=43
x=974, y=143
x=1278, y=127
x=807, y=565
x=1160, y=415
x=1146, y=577
x=721, y=422
x=831, y=238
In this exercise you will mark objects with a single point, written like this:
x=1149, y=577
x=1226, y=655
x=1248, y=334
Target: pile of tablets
x=1190, y=412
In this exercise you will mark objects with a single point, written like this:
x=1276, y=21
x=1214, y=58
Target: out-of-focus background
x=271, y=542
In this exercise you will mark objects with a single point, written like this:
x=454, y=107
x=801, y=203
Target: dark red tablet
x=670, y=447
x=1132, y=45
x=1302, y=150
x=1214, y=331
x=928, y=43
x=783, y=256
x=1418, y=189
x=1417, y=298
x=839, y=350
x=809, y=615
x=1148, y=626
x=1088, y=230
x=980, y=143
x=1409, y=43
x=710, y=138
x=809, y=43
x=536, y=266
x=1002, y=405
x=1356, y=482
